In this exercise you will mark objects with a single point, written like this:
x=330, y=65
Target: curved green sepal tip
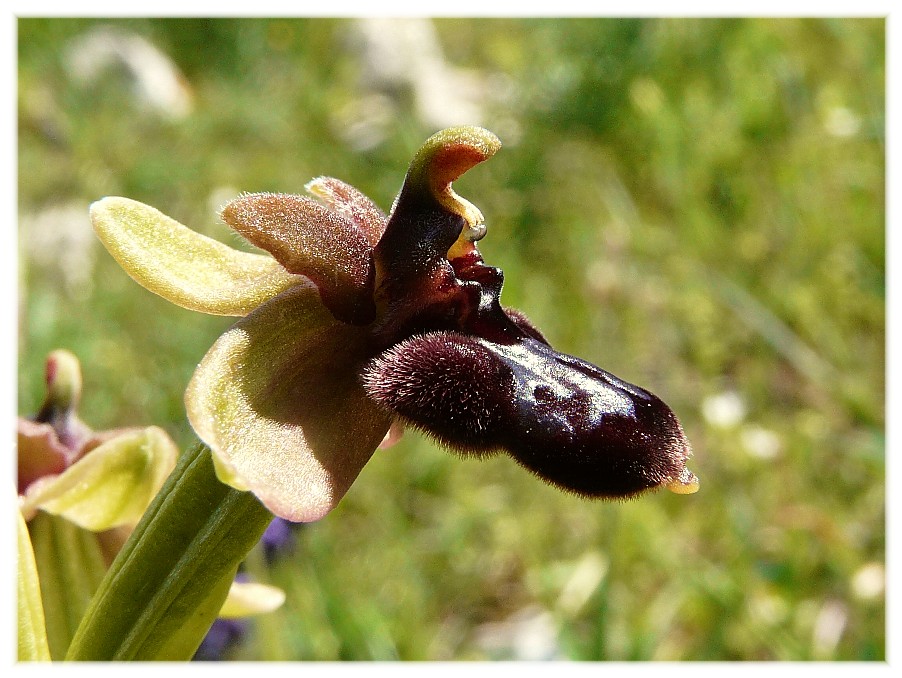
x=444, y=157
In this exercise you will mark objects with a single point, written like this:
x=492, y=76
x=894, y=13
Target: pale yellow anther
x=685, y=483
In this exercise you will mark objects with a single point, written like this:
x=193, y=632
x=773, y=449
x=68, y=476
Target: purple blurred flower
x=279, y=538
x=222, y=638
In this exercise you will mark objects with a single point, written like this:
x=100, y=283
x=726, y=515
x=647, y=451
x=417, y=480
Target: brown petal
x=308, y=239
x=353, y=204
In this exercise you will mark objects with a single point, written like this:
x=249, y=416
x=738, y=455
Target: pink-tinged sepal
x=312, y=240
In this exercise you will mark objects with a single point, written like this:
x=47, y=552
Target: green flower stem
x=165, y=587
x=70, y=568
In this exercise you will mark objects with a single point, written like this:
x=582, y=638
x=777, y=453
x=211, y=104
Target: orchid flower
x=361, y=322
x=81, y=492
x=97, y=480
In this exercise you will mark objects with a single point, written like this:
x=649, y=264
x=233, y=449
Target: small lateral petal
x=182, y=266
x=311, y=240
x=277, y=400
x=353, y=204
x=109, y=487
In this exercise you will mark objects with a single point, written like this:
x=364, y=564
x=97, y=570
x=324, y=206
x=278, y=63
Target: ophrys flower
x=360, y=320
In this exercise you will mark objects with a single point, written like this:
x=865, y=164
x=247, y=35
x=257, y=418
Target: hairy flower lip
x=571, y=423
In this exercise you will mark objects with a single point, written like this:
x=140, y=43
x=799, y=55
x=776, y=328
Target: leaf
x=71, y=567
x=192, y=537
x=31, y=629
x=182, y=642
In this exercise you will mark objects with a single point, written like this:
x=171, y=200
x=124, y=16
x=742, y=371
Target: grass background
x=695, y=205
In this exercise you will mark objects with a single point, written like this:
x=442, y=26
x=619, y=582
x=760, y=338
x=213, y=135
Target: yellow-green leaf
x=32, y=632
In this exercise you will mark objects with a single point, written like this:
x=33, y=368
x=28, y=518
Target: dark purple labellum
x=571, y=423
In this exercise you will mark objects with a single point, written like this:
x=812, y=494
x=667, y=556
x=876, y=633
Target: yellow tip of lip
x=686, y=483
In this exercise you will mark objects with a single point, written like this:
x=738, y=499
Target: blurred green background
x=695, y=205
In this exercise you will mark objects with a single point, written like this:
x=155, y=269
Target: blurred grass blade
x=172, y=568
x=32, y=632
x=773, y=330
x=70, y=566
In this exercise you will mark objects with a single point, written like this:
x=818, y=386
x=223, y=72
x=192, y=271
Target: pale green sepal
x=278, y=400
x=32, y=633
x=249, y=598
x=110, y=486
x=228, y=475
x=182, y=266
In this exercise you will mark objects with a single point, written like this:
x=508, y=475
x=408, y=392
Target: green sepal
x=182, y=266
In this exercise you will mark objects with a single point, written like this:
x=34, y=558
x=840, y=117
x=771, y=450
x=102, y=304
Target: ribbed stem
x=164, y=588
